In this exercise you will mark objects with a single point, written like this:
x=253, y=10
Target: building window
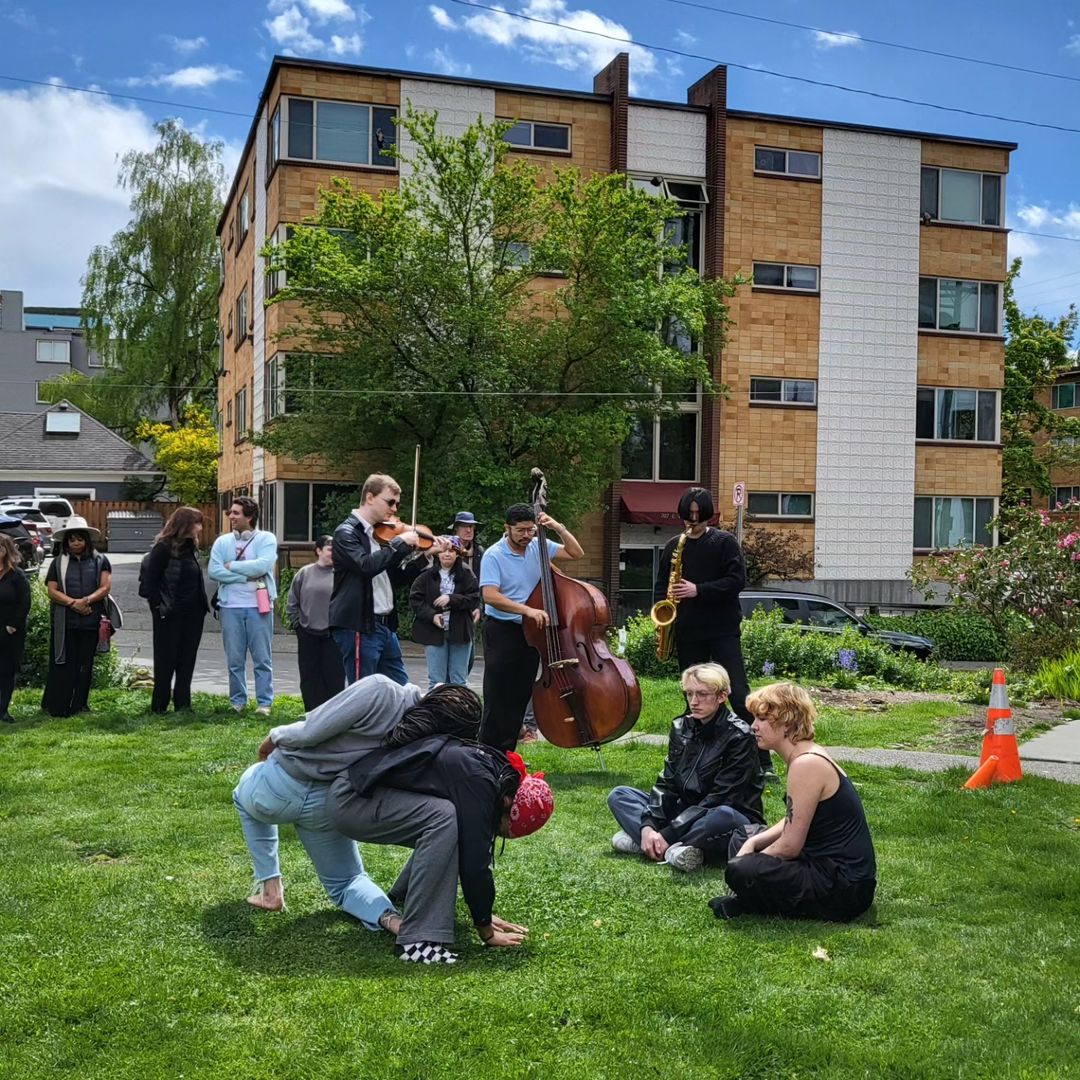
x=966, y=198
x=783, y=391
x=276, y=279
x=537, y=136
x=305, y=511
x=971, y=307
x=37, y=393
x=776, y=162
x=780, y=504
x=786, y=276
x=638, y=567
x=665, y=447
x=93, y=358
x=336, y=132
x=242, y=315
x=228, y=413
x=242, y=216
x=1063, y=395
x=967, y=415
x=1065, y=495
x=53, y=352
x=219, y=428
x=942, y=523
x=241, y=414
x=273, y=141
x=288, y=377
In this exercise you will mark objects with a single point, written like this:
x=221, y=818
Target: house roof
x=24, y=445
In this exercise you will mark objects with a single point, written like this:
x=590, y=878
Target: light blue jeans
x=243, y=631
x=448, y=663
x=268, y=796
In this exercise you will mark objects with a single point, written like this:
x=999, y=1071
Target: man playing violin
x=509, y=573
x=362, y=616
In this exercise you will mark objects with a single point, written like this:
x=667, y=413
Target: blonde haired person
x=818, y=862
x=710, y=785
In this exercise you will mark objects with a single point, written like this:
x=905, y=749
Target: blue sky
x=59, y=150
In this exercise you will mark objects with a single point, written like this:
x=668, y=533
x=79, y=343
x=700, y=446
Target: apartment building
x=1065, y=478
x=865, y=361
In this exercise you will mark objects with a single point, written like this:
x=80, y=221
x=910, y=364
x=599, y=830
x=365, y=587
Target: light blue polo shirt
x=515, y=576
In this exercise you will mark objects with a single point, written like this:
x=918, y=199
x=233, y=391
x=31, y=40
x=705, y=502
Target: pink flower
x=1076, y=556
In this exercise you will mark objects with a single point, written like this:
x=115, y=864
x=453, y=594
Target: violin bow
x=415, y=485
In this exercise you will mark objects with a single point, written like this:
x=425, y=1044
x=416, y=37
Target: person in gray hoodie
x=290, y=784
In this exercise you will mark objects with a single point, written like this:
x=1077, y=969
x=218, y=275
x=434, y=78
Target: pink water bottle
x=262, y=597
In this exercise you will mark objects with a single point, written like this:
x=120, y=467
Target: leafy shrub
x=1059, y=678
x=957, y=634
x=285, y=577
x=641, y=650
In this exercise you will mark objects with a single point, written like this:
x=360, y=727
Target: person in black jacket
x=711, y=782
x=14, y=612
x=173, y=586
x=464, y=527
x=443, y=599
x=362, y=616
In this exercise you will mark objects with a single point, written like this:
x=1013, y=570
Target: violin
x=385, y=531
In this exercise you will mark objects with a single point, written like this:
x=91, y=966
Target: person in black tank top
x=818, y=861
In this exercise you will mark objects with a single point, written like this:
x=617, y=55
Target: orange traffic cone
x=983, y=776
x=1000, y=737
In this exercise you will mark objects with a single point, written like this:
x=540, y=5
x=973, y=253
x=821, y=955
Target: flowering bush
x=1028, y=587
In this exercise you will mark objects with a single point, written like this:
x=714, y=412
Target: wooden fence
x=96, y=512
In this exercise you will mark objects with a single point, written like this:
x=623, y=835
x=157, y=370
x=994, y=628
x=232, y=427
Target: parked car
x=811, y=612
x=13, y=527
x=35, y=522
x=55, y=508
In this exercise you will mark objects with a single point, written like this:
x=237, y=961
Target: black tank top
x=839, y=831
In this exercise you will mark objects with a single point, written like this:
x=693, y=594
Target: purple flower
x=846, y=661
x=768, y=668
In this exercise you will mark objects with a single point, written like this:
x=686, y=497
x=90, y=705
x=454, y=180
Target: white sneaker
x=683, y=857
x=263, y=710
x=625, y=844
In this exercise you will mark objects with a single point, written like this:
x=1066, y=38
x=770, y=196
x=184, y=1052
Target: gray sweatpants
x=428, y=881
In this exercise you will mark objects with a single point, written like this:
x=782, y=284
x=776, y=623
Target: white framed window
x=956, y=415
x=94, y=359
x=1064, y=495
x=666, y=447
x=962, y=197
x=969, y=307
x=221, y=267
x=242, y=315
x=798, y=505
x=946, y=522
x=534, y=135
x=53, y=352
x=273, y=141
x=775, y=161
x=37, y=392
x=240, y=411
x=687, y=232
x=336, y=132
x=788, y=276
x=1065, y=395
x=242, y=216
x=769, y=391
x=303, y=509
x=276, y=279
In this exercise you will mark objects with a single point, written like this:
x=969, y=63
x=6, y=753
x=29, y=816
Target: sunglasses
x=392, y=503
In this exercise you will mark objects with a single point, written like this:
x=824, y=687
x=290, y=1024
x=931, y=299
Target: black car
x=13, y=527
x=809, y=611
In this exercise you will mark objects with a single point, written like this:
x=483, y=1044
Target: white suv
x=56, y=508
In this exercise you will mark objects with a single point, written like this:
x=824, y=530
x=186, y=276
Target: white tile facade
x=868, y=368
x=665, y=142
x=258, y=287
x=457, y=106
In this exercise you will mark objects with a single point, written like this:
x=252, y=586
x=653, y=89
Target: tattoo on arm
x=790, y=815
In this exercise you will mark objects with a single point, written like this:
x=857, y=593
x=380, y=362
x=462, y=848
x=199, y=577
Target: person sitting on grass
x=818, y=862
x=397, y=795
x=711, y=782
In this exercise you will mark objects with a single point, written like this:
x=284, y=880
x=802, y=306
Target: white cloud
x=198, y=77
x=684, y=39
x=1033, y=216
x=562, y=44
x=292, y=31
x=445, y=64
x=291, y=26
x=1073, y=45
x=346, y=46
x=186, y=46
x=1050, y=278
x=824, y=40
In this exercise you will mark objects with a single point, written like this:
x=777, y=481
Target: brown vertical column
x=614, y=81
x=711, y=92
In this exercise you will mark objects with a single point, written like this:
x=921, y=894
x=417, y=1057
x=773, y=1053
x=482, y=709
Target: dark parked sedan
x=14, y=528
x=808, y=611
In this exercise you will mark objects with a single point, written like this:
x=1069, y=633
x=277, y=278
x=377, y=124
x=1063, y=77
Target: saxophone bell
x=663, y=613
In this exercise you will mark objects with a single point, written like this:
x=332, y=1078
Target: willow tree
x=498, y=318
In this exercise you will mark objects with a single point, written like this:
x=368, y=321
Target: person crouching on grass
x=710, y=784
x=818, y=862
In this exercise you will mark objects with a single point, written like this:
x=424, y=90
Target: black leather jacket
x=708, y=765
x=352, y=606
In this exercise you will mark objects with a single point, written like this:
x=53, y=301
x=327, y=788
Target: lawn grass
x=130, y=953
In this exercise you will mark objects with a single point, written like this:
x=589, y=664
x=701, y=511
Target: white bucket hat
x=76, y=524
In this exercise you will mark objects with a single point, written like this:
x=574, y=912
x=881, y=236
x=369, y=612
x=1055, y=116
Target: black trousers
x=321, y=673
x=176, y=646
x=67, y=686
x=726, y=651
x=11, y=652
x=510, y=665
x=809, y=888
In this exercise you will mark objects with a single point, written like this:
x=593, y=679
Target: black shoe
x=727, y=907
x=7, y=718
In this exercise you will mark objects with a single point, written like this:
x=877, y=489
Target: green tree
x=186, y=454
x=496, y=320
x=150, y=296
x=1035, y=438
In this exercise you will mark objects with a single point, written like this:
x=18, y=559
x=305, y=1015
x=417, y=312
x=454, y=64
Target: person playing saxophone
x=708, y=615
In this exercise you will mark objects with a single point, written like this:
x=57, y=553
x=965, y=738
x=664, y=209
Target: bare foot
x=391, y=922
x=268, y=895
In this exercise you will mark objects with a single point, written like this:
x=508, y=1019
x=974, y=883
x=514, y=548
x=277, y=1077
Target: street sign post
x=738, y=498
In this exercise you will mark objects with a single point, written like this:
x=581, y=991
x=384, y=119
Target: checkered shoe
x=425, y=952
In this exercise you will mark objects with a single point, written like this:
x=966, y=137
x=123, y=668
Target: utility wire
x=766, y=71
x=876, y=41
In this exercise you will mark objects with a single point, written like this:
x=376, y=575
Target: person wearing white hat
x=78, y=581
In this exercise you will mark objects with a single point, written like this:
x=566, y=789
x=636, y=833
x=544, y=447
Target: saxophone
x=664, y=611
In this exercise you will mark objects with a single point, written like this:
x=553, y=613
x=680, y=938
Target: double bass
x=584, y=695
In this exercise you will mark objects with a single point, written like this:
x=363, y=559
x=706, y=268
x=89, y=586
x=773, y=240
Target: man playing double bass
x=509, y=573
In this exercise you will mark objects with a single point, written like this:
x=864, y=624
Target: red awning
x=647, y=502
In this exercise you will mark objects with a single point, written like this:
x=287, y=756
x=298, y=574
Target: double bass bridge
x=573, y=662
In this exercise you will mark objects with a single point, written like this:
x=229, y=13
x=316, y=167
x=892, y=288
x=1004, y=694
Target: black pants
x=67, y=686
x=176, y=646
x=321, y=673
x=809, y=888
x=11, y=651
x=510, y=665
x=727, y=652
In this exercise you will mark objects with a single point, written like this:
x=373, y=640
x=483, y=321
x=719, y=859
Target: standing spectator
x=242, y=563
x=464, y=527
x=78, y=581
x=14, y=611
x=444, y=599
x=362, y=616
x=308, y=608
x=173, y=587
